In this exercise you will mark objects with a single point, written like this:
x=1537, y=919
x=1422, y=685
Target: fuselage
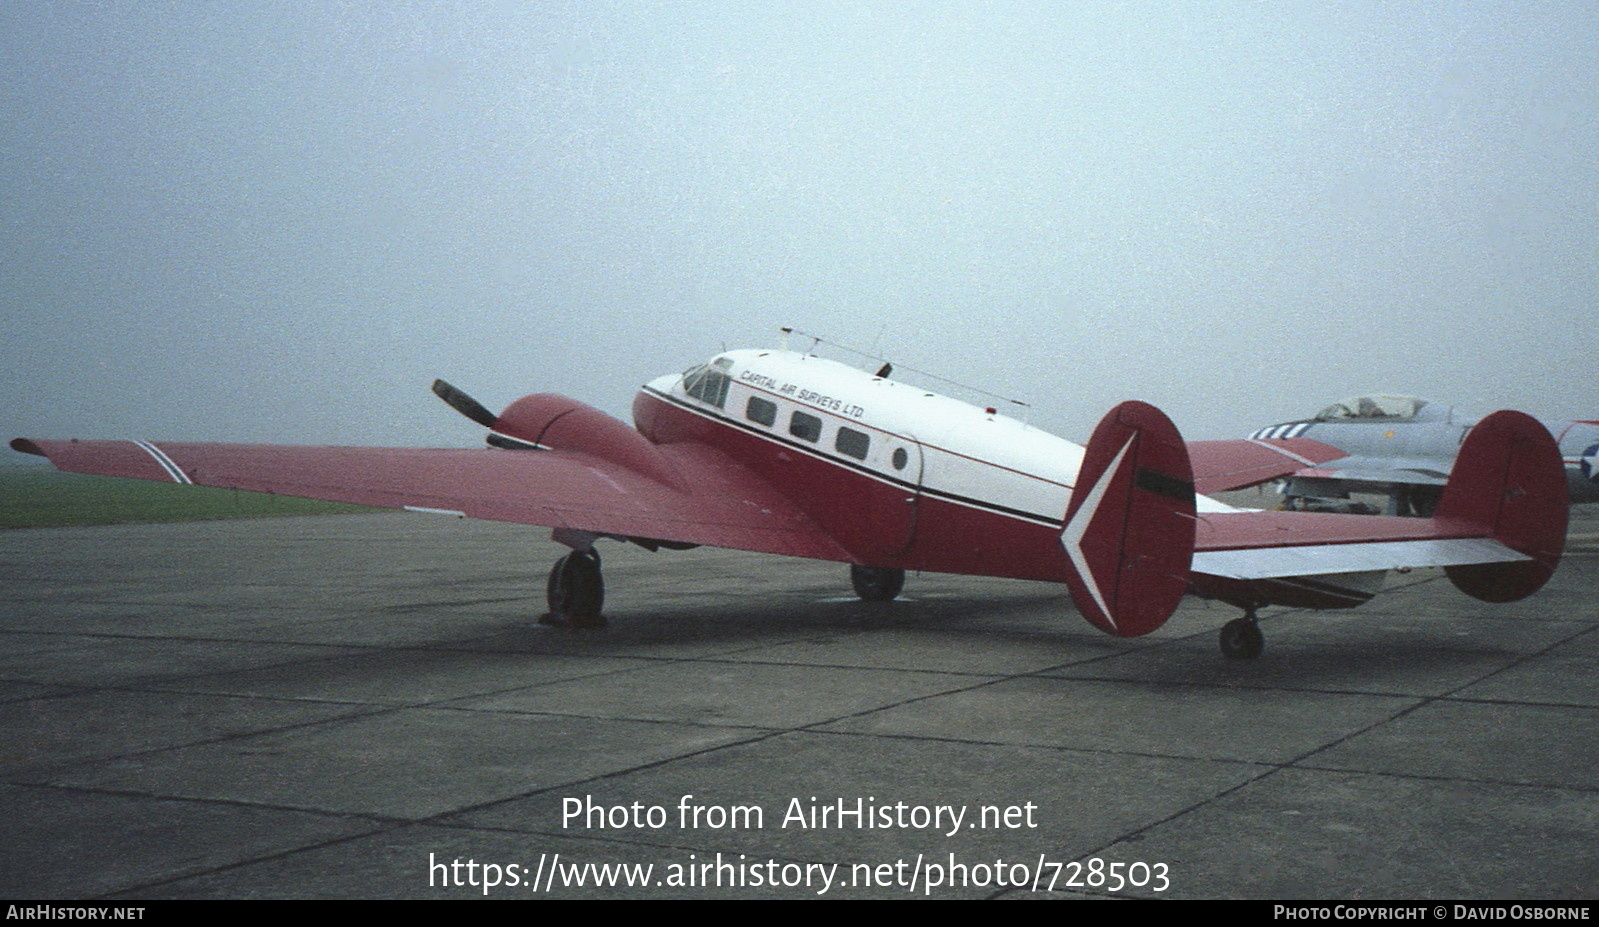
x=903, y=477
x=1579, y=447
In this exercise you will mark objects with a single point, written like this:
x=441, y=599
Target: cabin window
x=759, y=410
x=808, y=427
x=901, y=458
x=852, y=442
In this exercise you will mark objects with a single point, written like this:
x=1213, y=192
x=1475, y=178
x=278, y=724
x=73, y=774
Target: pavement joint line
x=1284, y=686
x=377, y=710
x=252, y=861
x=122, y=638
x=904, y=670
x=1469, y=780
x=1298, y=763
x=208, y=800
x=1138, y=832
x=1053, y=748
x=66, y=766
x=155, y=685
x=805, y=728
x=1428, y=701
x=553, y=713
x=766, y=734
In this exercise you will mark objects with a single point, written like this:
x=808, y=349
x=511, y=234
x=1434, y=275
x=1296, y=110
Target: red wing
x=1223, y=465
x=724, y=506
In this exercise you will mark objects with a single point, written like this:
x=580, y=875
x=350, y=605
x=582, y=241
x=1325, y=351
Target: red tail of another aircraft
x=1129, y=531
x=1509, y=479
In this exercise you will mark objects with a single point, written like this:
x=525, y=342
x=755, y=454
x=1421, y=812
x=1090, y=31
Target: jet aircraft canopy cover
x=1373, y=407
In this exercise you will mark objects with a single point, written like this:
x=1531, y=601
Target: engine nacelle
x=553, y=421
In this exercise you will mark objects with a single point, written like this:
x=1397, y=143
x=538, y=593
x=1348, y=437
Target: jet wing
x=718, y=502
x=1236, y=464
x=1365, y=471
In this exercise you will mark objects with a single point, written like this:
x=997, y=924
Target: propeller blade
x=464, y=404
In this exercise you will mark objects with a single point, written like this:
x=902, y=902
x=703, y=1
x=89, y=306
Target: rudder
x=1509, y=480
x=1129, y=530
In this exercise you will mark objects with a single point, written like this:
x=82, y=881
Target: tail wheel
x=1424, y=500
x=876, y=584
x=1241, y=638
x=576, y=589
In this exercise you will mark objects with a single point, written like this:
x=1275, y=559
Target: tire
x=576, y=589
x=1241, y=639
x=876, y=584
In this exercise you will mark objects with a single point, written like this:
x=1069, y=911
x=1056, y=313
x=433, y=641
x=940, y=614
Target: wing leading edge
x=716, y=501
x=1220, y=466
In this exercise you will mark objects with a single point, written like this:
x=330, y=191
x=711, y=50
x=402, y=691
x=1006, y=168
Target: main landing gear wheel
x=576, y=591
x=1241, y=638
x=876, y=584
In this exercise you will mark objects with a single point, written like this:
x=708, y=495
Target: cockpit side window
x=708, y=383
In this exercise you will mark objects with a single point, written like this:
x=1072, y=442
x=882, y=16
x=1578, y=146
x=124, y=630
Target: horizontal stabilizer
x=1362, y=557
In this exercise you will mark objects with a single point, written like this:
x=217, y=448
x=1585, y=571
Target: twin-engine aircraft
x=1402, y=447
x=787, y=452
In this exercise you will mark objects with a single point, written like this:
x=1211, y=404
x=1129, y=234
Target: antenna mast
x=819, y=340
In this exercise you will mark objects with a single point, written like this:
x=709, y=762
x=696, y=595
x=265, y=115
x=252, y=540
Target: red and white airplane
x=790, y=453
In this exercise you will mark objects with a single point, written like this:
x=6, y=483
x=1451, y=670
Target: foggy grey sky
x=278, y=222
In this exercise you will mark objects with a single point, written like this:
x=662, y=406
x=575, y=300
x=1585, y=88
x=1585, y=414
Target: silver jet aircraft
x=1402, y=447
